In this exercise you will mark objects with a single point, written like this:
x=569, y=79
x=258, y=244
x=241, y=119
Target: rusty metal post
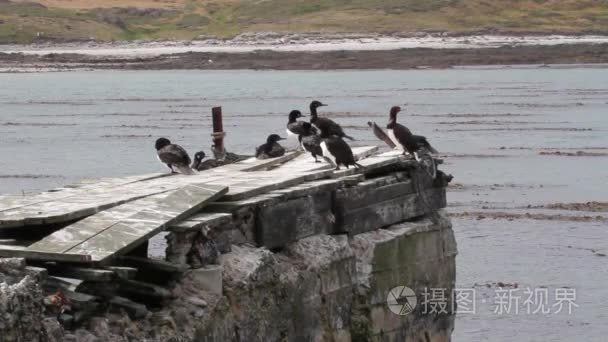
x=218, y=133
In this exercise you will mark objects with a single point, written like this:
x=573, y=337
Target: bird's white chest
x=290, y=133
x=326, y=152
x=391, y=135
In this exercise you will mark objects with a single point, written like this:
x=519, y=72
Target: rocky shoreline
x=311, y=51
x=406, y=58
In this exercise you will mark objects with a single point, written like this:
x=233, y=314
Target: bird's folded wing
x=379, y=133
x=173, y=155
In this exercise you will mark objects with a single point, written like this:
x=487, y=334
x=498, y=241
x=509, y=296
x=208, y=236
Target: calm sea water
x=56, y=128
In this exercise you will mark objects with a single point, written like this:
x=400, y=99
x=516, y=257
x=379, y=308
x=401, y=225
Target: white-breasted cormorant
x=337, y=150
x=401, y=135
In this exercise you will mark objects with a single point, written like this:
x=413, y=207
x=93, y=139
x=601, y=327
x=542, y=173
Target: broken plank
x=89, y=274
x=81, y=301
x=151, y=264
x=123, y=272
x=144, y=290
x=108, y=235
x=63, y=240
x=64, y=284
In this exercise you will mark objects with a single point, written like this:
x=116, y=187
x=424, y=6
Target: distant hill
x=65, y=20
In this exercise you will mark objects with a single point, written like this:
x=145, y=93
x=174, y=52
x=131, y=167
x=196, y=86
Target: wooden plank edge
x=273, y=162
x=219, y=194
x=7, y=252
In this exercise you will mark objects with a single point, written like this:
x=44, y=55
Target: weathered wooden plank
x=155, y=211
x=143, y=290
x=39, y=273
x=275, y=180
x=373, y=163
x=81, y=301
x=65, y=284
x=199, y=220
x=254, y=164
x=19, y=252
x=152, y=265
x=123, y=272
x=305, y=163
x=83, y=273
x=145, y=222
x=15, y=242
x=10, y=247
x=78, y=204
x=14, y=202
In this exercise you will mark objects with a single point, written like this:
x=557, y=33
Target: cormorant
x=271, y=149
x=326, y=124
x=173, y=156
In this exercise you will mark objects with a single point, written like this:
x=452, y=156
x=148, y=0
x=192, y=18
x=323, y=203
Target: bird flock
x=321, y=137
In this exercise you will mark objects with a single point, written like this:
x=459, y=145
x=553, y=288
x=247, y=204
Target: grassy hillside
x=24, y=21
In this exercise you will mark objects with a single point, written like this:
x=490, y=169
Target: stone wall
x=334, y=287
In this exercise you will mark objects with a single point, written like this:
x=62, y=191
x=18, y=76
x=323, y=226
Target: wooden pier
x=91, y=237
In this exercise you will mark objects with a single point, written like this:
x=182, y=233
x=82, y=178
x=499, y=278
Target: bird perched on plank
x=403, y=138
x=307, y=134
x=295, y=127
x=311, y=141
x=336, y=150
x=198, y=163
x=174, y=156
x=326, y=124
x=271, y=149
x=420, y=140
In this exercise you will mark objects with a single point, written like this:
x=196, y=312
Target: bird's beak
x=282, y=139
x=323, y=104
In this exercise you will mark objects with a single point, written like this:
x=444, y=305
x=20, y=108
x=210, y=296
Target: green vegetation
x=24, y=22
